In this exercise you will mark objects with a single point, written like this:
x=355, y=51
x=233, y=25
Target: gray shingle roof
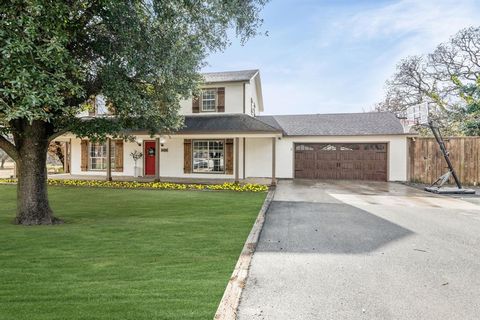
x=338, y=124
x=225, y=123
x=228, y=76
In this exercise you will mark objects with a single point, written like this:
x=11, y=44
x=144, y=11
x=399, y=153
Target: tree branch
x=8, y=147
x=56, y=135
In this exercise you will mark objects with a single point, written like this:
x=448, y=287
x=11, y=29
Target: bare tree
x=443, y=78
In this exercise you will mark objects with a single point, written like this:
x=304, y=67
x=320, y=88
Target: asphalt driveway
x=361, y=250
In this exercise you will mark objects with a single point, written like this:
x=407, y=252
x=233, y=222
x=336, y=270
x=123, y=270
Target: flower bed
x=152, y=185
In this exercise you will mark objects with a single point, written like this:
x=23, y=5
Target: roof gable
x=229, y=76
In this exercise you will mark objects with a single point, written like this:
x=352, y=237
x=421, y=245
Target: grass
x=123, y=254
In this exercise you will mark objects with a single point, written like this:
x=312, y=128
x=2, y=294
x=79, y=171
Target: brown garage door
x=356, y=161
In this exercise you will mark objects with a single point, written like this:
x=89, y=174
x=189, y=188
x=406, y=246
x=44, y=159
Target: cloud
x=431, y=21
x=334, y=56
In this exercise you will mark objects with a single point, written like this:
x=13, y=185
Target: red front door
x=149, y=156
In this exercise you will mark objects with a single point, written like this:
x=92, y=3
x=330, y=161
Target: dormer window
x=209, y=100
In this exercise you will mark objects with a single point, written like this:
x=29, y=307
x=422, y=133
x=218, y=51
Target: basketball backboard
x=418, y=114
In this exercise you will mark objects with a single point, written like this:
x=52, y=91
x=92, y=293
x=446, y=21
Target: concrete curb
x=227, y=309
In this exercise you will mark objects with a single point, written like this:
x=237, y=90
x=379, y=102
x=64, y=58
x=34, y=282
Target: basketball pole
x=441, y=143
x=420, y=115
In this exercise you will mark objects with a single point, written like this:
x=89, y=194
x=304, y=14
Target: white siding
x=258, y=158
x=171, y=161
x=233, y=99
x=128, y=163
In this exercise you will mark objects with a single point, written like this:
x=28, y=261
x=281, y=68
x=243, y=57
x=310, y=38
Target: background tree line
x=448, y=79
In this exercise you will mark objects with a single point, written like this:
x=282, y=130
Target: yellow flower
x=151, y=185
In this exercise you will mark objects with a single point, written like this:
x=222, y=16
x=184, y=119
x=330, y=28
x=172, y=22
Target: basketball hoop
x=419, y=114
x=415, y=115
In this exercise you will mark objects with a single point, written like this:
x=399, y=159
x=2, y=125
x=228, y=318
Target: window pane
x=208, y=156
x=209, y=100
x=98, y=156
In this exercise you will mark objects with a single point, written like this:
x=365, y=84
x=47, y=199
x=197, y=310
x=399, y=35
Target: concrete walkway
x=356, y=250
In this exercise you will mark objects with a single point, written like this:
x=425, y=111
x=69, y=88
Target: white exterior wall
x=253, y=97
x=258, y=156
x=397, y=152
x=233, y=99
x=171, y=162
x=128, y=163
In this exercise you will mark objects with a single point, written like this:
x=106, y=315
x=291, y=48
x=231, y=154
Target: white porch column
x=243, y=156
x=237, y=159
x=274, y=142
x=109, y=159
x=157, y=159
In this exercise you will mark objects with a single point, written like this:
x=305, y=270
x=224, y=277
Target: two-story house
x=225, y=137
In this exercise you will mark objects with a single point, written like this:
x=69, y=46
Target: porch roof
x=225, y=123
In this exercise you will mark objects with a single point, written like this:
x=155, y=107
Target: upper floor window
x=209, y=100
x=100, y=107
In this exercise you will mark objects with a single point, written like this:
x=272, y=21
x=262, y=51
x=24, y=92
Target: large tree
x=143, y=55
x=448, y=78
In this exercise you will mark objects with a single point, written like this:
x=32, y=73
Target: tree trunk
x=32, y=199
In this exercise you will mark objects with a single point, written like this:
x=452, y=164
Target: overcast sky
x=334, y=56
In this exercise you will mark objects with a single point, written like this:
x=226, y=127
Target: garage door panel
x=356, y=161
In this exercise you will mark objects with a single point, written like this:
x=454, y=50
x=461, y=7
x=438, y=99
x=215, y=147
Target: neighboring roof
x=229, y=76
x=225, y=123
x=336, y=124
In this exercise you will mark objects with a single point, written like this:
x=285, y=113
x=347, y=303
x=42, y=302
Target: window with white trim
x=209, y=100
x=208, y=156
x=97, y=159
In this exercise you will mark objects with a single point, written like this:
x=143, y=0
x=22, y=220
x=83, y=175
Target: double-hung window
x=209, y=100
x=98, y=156
x=208, y=156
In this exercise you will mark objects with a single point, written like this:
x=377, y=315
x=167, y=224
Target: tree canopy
x=448, y=78
x=142, y=55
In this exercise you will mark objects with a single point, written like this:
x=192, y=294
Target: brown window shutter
x=84, y=155
x=229, y=156
x=119, y=155
x=195, y=104
x=221, y=99
x=187, y=156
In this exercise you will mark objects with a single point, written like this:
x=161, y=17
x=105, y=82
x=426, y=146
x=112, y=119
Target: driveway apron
x=364, y=250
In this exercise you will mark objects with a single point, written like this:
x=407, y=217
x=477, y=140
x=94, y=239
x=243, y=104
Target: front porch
x=209, y=149
x=247, y=158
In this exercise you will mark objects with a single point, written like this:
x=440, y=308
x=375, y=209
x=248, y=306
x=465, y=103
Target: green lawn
x=123, y=254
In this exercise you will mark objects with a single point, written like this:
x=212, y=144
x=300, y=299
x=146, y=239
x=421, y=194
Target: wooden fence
x=426, y=161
